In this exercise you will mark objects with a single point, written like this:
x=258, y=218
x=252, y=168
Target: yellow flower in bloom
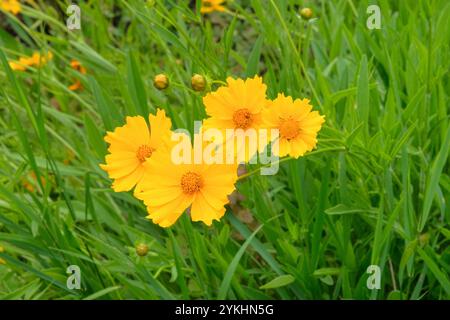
x=76, y=65
x=297, y=124
x=131, y=145
x=209, y=6
x=12, y=6
x=35, y=60
x=238, y=105
x=170, y=188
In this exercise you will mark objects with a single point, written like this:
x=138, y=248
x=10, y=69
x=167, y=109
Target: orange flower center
x=191, y=182
x=144, y=152
x=242, y=118
x=289, y=129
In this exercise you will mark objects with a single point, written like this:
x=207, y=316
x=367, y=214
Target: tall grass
x=375, y=192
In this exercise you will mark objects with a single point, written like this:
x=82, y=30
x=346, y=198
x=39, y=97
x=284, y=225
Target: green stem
x=289, y=158
x=291, y=42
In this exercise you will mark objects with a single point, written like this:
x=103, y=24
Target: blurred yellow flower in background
x=297, y=124
x=39, y=60
x=76, y=65
x=209, y=6
x=131, y=145
x=35, y=60
x=12, y=6
x=31, y=181
x=19, y=65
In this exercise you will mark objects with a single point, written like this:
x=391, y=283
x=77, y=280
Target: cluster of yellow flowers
x=140, y=156
x=12, y=6
x=36, y=60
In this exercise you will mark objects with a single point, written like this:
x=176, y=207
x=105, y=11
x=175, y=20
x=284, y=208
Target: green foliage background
x=375, y=191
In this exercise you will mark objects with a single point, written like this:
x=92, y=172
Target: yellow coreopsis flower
x=209, y=6
x=297, y=124
x=238, y=105
x=170, y=188
x=131, y=145
x=12, y=6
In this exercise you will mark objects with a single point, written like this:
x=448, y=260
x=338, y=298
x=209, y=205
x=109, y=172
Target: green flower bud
x=142, y=249
x=161, y=81
x=306, y=13
x=198, y=82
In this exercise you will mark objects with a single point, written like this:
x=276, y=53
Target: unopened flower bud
x=198, y=82
x=161, y=81
x=424, y=239
x=306, y=13
x=142, y=249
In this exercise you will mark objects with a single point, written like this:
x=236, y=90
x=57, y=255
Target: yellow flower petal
x=167, y=214
x=127, y=182
x=201, y=210
x=131, y=145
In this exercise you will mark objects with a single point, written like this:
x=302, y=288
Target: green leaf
x=101, y=293
x=225, y=285
x=396, y=295
x=362, y=95
x=433, y=179
x=343, y=209
x=94, y=58
x=279, y=281
x=253, y=59
x=136, y=86
x=440, y=276
x=326, y=271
